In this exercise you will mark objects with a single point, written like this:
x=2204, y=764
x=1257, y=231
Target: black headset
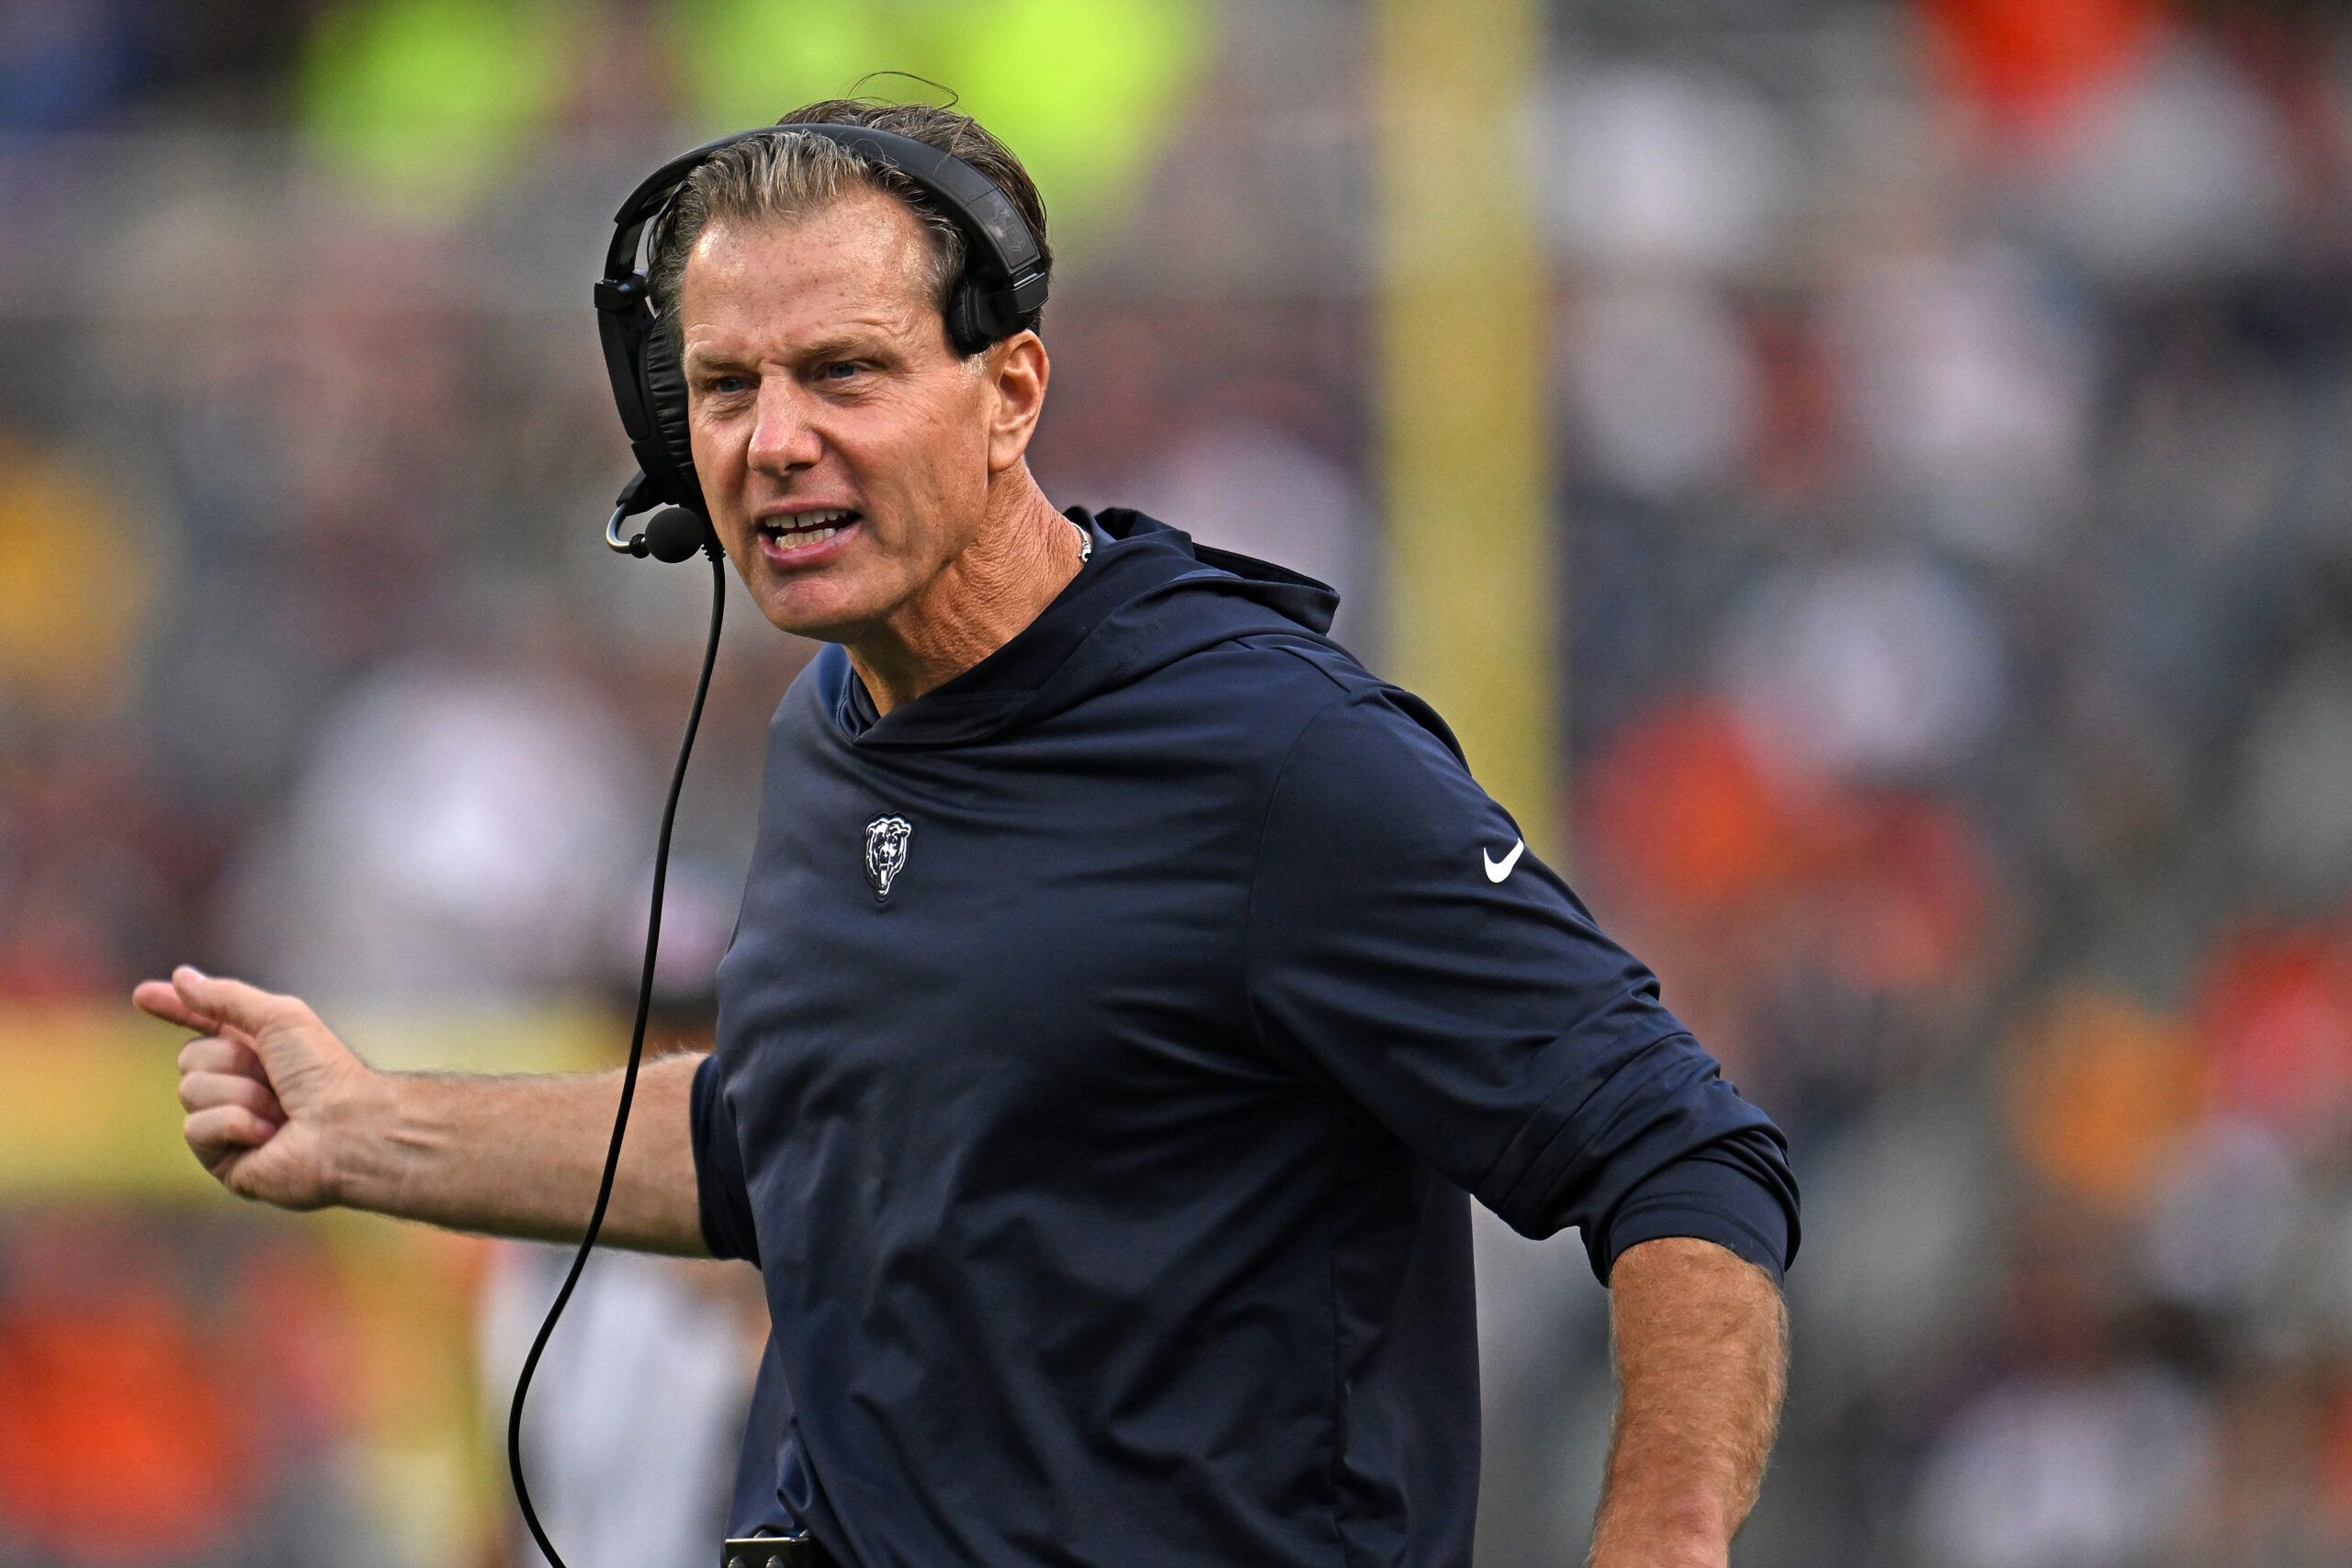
x=999, y=293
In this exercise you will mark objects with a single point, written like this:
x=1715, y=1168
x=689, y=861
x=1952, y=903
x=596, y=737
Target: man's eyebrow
x=702, y=356
x=850, y=344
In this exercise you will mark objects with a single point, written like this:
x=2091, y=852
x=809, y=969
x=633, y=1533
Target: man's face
x=843, y=448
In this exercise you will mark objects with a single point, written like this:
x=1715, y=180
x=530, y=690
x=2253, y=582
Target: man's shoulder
x=1275, y=681
x=1299, y=666
x=1306, y=701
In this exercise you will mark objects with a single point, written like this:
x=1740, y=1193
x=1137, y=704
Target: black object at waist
x=775, y=1551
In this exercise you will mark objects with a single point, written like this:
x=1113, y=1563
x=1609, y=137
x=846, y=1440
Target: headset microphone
x=672, y=536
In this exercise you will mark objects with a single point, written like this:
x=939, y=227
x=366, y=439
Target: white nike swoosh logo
x=1498, y=869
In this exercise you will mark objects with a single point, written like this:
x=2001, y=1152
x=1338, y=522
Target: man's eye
x=724, y=386
x=841, y=369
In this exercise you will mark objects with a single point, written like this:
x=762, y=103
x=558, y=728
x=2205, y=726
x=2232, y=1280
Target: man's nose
x=783, y=437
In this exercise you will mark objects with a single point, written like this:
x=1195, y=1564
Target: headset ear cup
x=665, y=402
x=966, y=333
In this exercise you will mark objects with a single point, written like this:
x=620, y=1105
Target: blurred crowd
x=1955, y=526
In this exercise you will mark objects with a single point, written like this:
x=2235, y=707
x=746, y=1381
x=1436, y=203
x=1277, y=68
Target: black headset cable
x=628, y=1077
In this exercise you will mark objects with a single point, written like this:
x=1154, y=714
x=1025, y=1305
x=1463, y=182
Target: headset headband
x=1000, y=239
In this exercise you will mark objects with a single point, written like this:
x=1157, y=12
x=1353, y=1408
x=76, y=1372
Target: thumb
x=232, y=1002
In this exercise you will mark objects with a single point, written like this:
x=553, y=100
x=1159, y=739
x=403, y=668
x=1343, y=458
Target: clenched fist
x=264, y=1084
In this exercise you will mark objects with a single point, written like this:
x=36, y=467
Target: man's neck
x=1022, y=555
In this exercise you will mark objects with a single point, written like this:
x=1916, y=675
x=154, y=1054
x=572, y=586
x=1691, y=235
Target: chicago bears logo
x=886, y=851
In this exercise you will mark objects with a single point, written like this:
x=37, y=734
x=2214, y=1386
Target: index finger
x=231, y=1003
x=160, y=999
x=164, y=999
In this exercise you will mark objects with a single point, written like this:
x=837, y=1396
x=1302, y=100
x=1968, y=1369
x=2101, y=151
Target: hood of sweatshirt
x=1149, y=596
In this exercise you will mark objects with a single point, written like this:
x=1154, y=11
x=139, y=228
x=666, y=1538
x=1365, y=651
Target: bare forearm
x=1701, y=1341
x=521, y=1156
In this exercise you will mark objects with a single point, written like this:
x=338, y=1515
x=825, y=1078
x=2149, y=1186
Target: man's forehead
x=863, y=255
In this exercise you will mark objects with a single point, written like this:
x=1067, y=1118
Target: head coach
x=1129, y=987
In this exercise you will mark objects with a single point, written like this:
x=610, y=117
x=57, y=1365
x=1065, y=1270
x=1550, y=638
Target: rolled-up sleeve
x=1737, y=1192
x=724, y=1196
x=1407, y=950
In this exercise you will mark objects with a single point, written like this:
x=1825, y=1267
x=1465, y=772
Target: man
x=1128, y=986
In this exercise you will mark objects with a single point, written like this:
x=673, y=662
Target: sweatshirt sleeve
x=725, y=1196
x=1409, y=951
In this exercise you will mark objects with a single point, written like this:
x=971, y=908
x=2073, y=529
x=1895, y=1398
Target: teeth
x=807, y=527
x=795, y=539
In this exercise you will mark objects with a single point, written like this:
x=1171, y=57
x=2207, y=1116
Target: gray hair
x=784, y=175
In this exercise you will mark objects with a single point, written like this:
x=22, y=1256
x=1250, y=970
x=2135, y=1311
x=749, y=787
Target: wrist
x=1632, y=1551
x=1692, y=1537
x=1656, y=1557
x=361, y=1137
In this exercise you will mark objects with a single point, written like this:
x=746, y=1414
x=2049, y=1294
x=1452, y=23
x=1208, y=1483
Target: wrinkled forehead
x=861, y=257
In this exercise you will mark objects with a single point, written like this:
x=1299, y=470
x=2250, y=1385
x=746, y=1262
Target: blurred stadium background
x=1931, y=418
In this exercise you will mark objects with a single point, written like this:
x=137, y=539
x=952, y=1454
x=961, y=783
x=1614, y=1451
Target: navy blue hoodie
x=1108, y=1043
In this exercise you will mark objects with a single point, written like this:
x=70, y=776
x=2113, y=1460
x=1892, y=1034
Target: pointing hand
x=265, y=1085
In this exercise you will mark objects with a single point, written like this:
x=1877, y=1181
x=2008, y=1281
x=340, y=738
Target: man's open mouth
x=799, y=529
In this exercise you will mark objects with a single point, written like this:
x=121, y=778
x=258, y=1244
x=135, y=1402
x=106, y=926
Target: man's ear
x=1017, y=370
